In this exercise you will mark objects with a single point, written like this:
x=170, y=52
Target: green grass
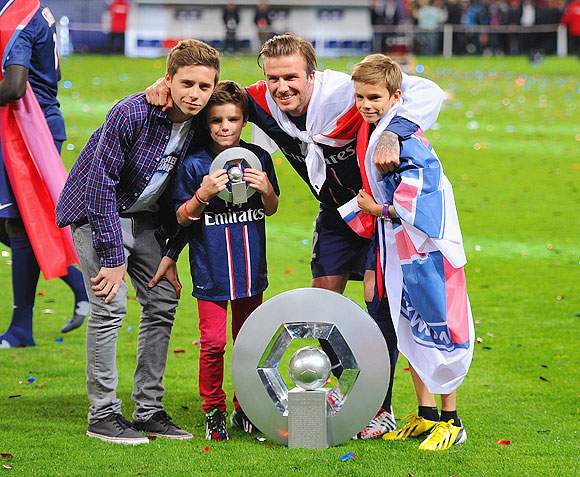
x=516, y=174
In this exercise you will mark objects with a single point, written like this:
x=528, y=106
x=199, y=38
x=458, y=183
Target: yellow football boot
x=416, y=426
x=443, y=436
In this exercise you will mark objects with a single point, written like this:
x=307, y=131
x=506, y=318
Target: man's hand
x=387, y=153
x=167, y=269
x=158, y=94
x=108, y=281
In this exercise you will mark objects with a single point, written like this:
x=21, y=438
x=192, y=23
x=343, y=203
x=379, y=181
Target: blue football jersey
x=35, y=49
x=227, y=245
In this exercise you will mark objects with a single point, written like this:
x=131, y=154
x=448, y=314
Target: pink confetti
x=196, y=343
x=504, y=442
x=479, y=340
x=7, y=466
x=6, y=455
x=206, y=449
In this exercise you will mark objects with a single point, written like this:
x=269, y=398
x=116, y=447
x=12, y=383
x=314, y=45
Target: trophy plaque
x=314, y=416
x=235, y=161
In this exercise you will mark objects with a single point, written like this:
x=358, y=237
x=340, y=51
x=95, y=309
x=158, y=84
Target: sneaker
x=443, y=436
x=416, y=426
x=115, y=428
x=336, y=400
x=215, y=426
x=80, y=314
x=160, y=425
x=382, y=423
x=240, y=420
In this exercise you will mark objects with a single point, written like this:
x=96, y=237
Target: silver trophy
x=297, y=418
x=235, y=160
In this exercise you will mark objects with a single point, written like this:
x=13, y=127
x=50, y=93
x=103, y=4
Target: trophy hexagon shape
x=310, y=313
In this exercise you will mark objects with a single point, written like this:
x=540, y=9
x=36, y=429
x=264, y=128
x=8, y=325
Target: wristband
x=199, y=200
x=385, y=214
x=186, y=214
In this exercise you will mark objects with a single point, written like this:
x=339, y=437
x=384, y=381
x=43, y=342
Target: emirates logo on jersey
x=233, y=217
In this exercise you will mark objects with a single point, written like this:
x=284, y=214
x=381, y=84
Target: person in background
x=32, y=58
x=231, y=18
x=263, y=22
x=119, y=10
x=571, y=18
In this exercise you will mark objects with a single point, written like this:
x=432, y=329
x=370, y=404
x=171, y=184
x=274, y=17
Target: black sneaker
x=240, y=420
x=115, y=428
x=215, y=426
x=160, y=425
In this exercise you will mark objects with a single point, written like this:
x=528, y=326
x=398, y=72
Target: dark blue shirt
x=35, y=49
x=227, y=245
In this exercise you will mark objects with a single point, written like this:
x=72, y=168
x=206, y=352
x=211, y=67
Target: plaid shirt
x=112, y=171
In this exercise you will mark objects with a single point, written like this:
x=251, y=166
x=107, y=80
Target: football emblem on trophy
x=309, y=368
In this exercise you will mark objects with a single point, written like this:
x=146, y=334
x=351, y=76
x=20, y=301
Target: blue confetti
x=67, y=84
x=123, y=77
x=260, y=439
x=58, y=340
x=419, y=68
x=350, y=455
x=129, y=328
x=31, y=379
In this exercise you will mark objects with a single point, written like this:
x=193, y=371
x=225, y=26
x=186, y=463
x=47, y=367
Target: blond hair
x=289, y=44
x=229, y=92
x=193, y=52
x=378, y=69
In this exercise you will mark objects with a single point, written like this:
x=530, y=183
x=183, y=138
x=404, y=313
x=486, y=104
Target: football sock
x=448, y=415
x=25, y=274
x=429, y=413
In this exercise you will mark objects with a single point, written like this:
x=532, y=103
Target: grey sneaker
x=81, y=312
x=160, y=425
x=240, y=420
x=115, y=428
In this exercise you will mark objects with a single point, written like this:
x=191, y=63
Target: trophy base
x=307, y=426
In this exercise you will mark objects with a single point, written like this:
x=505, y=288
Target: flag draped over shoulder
x=35, y=169
x=422, y=261
x=332, y=118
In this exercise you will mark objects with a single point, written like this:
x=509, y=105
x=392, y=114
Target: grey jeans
x=143, y=253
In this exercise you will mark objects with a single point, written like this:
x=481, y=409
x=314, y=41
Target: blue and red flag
x=422, y=260
x=33, y=164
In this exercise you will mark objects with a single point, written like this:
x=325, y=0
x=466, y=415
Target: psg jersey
x=227, y=245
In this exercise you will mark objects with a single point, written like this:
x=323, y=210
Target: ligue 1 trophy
x=310, y=415
x=235, y=160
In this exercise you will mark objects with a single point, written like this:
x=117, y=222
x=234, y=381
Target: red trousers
x=213, y=328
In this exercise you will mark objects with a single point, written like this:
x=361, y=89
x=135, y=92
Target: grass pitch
x=508, y=137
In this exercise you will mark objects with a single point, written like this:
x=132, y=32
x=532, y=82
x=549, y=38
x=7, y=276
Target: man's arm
x=13, y=86
x=419, y=105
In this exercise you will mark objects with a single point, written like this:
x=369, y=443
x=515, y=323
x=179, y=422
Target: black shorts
x=336, y=249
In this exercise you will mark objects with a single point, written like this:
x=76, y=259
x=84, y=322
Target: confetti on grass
x=178, y=351
x=350, y=455
x=206, y=449
x=504, y=442
x=6, y=455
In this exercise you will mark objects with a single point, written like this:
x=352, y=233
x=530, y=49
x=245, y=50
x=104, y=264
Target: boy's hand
x=386, y=157
x=108, y=281
x=167, y=269
x=258, y=180
x=158, y=94
x=367, y=204
x=213, y=184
